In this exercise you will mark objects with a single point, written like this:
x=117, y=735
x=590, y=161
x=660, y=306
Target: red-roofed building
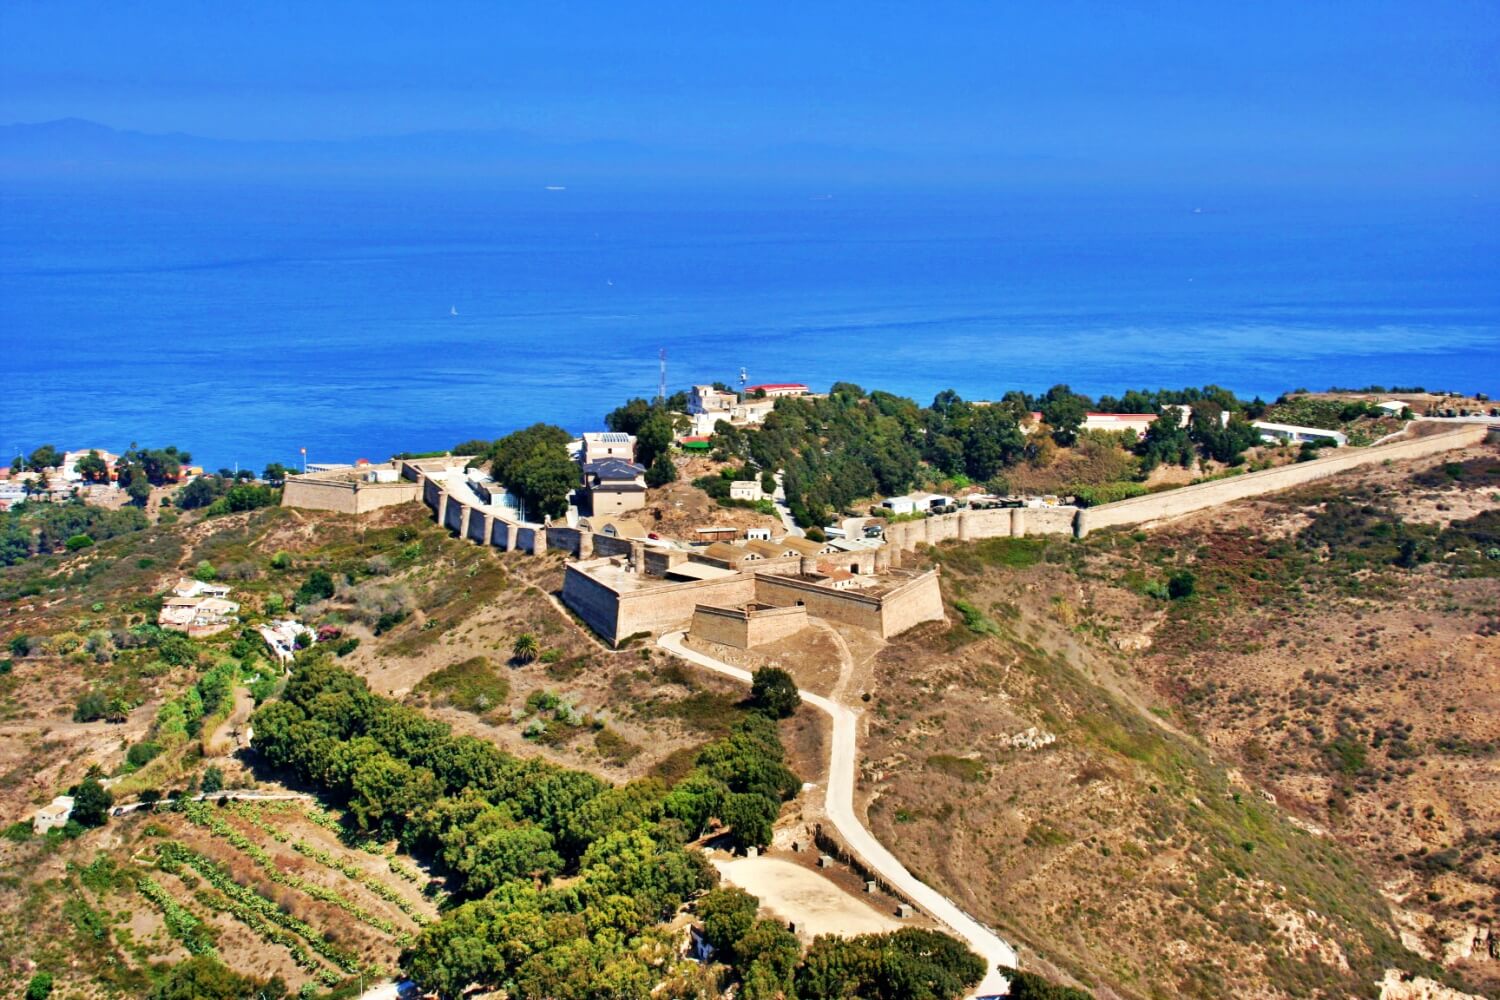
x=774, y=389
x=1137, y=422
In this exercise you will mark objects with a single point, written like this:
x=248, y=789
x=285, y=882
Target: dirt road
x=839, y=806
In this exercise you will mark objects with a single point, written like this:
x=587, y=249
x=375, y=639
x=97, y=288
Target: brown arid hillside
x=1250, y=753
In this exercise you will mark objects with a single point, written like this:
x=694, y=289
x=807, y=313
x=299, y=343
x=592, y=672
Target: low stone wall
x=1187, y=499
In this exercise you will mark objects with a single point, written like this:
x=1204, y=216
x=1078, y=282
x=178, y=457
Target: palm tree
x=524, y=649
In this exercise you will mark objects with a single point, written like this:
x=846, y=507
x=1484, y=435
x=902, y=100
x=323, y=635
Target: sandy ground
x=811, y=903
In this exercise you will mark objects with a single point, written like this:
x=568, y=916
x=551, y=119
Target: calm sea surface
x=244, y=324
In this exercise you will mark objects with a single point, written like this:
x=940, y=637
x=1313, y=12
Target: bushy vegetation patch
x=472, y=685
x=504, y=828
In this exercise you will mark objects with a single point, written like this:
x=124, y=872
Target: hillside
x=1252, y=753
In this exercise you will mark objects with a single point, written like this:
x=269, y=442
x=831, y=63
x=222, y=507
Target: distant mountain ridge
x=79, y=147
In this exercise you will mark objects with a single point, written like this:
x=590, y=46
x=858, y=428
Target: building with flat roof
x=599, y=445
x=1138, y=422
x=1291, y=432
x=774, y=390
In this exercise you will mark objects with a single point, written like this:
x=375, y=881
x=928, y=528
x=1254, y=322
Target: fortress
x=624, y=586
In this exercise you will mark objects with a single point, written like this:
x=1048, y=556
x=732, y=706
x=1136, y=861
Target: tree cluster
x=534, y=464
x=222, y=494
x=504, y=828
x=909, y=964
x=653, y=424
x=29, y=528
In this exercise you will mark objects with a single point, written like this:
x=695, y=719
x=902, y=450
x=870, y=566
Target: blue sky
x=1322, y=90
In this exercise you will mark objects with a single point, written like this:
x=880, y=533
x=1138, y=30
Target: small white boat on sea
x=453, y=310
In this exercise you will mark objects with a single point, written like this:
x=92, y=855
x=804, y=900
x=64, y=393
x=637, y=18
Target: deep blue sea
x=246, y=323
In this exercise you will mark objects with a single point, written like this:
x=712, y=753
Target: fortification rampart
x=342, y=493
x=1017, y=522
x=1187, y=499
x=618, y=612
x=747, y=627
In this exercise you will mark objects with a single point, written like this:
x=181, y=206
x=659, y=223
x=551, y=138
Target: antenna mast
x=661, y=384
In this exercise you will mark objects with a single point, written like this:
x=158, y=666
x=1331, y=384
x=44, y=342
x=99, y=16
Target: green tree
x=750, y=817
x=91, y=803
x=661, y=472
x=535, y=465
x=1166, y=441
x=138, y=487
x=318, y=587
x=79, y=541
x=774, y=692
x=628, y=418
x=213, y=779
x=727, y=915
x=1030, y=986
x=525, y=648
x=1181, y=584
x=201, y=492
x=767, y=955
x=274, y=473
x=40, y=986
x=45, y=457
x=1064, y=410
x=654, y=437
x=92, y=468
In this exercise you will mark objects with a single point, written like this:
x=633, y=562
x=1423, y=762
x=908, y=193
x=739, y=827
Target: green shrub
x=472, y=685
x=78, y=542
x=1181, y=584
x=142, y=753
x=40, y=986
x=975, y=621
x=1093, y=496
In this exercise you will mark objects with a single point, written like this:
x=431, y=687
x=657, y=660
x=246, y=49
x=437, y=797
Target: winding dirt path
x=839, y=807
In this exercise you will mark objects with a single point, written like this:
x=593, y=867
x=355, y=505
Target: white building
x=53, y=815
x=599, y=445
x=1291, y=432
x=1392, y=407
x=1138, y=422
x=707, y=406
x=774, y=390
x=746, y=489
x=199, y=588
x=899, y=505
x=281, y=638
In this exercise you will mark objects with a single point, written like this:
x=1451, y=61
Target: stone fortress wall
x=747, y=627
x=1017, y=522
x=616, y=614
x=347, y=491
x=1187, y=499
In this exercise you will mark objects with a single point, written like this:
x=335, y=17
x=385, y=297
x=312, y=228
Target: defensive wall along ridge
x=1016, y=522
x=1187, y=499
